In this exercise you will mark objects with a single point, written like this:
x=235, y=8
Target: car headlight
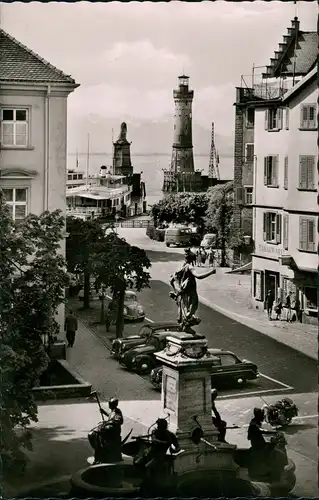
x=133, y=360
x=125, y=310
x=140, y=310
x=152, y=373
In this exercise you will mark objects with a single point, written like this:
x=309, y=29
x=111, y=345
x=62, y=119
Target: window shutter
x=275, y=170
x=312, y=111
x=249, y=153
x=285, y=232
x=265, y=226
x=303, y=233
x=279, y=118
x=278, y=228
x=266, y=170
x=310, y=172
x=286, y=173
x=266, y=119
x=311, y=235
x=303, y=116
x=303, y=172
x=287, y=118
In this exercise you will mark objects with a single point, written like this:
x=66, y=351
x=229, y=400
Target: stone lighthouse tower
x=182, y=154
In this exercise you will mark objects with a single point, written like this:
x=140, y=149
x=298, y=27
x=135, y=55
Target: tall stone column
x=186, y=401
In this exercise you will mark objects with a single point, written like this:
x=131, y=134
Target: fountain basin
x=106, y=480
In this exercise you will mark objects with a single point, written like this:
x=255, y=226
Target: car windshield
x=130, y=298
x=228, y=359
x=145, y=331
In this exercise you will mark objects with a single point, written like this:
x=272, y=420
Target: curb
x=256, y=325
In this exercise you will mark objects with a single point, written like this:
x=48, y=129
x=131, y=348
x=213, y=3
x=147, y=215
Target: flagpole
x=88, y=161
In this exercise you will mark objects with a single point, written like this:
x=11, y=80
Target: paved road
x=277, y=361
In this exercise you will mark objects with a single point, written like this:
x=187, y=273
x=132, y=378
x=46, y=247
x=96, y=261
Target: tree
x=219, y=215
x=33, y=280
x=119, y=265
x=181, y=208
x=80, y=245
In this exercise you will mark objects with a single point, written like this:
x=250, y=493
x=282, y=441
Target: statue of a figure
x=106, y=438
x=122, y=136
x=185, y=294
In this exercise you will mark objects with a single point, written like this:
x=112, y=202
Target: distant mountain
x=146, y=137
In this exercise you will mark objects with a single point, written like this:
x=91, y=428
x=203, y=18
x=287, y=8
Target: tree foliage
x=181, y=208
x=33, y=280
x=80, y=246
x=110, y=260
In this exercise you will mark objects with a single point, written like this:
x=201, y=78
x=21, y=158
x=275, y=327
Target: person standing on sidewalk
x=288, y=307
x=107, y=322
x=70, y=327
x=269, y=303
x=278, y=309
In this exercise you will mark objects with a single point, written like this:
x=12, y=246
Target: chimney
x=103, y=171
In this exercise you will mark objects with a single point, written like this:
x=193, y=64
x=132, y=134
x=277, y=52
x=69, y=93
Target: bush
x=155, y=234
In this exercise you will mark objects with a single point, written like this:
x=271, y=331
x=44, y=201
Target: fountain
x=204, y=466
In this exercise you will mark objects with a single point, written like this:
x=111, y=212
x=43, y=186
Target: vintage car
x=141, y=359
x=227, y=368
x=133, y=311
x=120, y=346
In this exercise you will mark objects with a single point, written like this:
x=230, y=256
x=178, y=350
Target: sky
x=127, y=57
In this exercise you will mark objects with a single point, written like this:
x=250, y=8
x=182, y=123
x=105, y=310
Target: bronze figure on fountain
x=185, y=293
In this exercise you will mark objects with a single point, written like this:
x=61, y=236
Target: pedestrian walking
x=107, y=322
x=298, y=310
x=278, y=309
x=288, y=307
x=211, y=258
x=269, y=303
x=70, y=327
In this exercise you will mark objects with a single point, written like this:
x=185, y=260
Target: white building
x=285, y=215
x=33, y=152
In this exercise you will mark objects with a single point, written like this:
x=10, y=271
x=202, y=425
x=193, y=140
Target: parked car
x=133, y=310
x=141, y=359
x=120, y=346
x=178, y=236
x=208, y=241
x=227, y=368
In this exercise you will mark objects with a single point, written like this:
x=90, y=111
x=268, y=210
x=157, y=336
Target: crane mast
x=213, y=170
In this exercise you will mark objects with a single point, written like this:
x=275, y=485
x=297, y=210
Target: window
x=273, y=119
x=306, y=172
x=258, y=285
x=307, y=234
x=285, y=231
x=287, y=118
x=286, y=172
x=249, y=153
x=228, y=359
x=14, y=130
x=308, y=116
x=248, y=195
x=272, y=227
x=16, y=199
x=250, y=117
x=310, y=298
x=270, y=171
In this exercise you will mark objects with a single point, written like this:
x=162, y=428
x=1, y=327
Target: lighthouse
x=182, y=153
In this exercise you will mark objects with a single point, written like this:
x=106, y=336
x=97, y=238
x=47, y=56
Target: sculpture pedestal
x=186, y=400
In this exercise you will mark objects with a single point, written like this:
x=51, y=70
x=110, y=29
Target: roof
x=18, y=63
x=296, y=55
x=300, y=85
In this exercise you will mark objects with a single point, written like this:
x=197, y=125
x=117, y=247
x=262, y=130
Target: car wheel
x=144, y=367
x=168, y=244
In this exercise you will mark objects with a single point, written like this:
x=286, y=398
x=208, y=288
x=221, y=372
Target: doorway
x=272, y=283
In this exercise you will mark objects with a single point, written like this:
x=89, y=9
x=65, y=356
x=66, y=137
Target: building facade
x=295, y=57
x=33, y=152
x=285, y=217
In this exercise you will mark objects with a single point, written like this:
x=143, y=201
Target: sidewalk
x=228, y=294
x=60, y=436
